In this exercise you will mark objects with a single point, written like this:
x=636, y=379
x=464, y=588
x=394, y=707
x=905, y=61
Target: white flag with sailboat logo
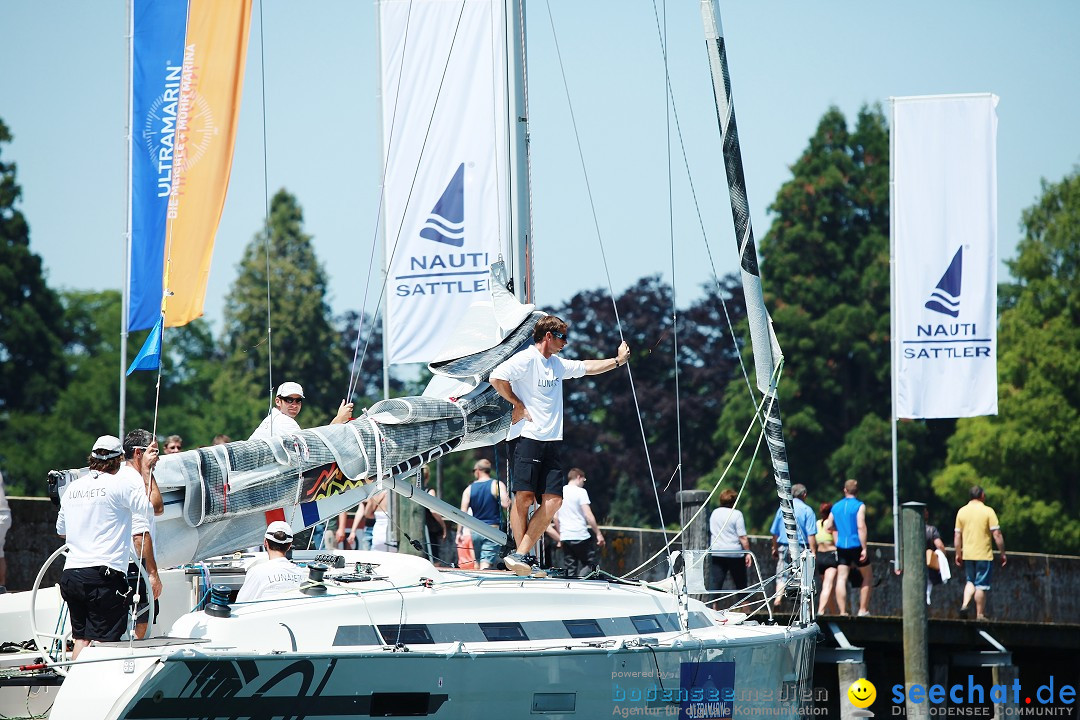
x=944, y=243
x=445, y=206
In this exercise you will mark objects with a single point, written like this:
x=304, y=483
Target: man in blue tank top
x=484, y=496
x=848, y=517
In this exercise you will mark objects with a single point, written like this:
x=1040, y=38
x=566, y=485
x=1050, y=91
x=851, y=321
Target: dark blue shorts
x=978, y=573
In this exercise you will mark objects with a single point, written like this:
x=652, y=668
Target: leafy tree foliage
x=305, y=346
x=31, y=330
x=88, y=405
x=1027, y=457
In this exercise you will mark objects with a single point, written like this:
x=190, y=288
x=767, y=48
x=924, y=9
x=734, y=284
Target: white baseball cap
x=278, y=526
x=286, y=389
x=107, y=447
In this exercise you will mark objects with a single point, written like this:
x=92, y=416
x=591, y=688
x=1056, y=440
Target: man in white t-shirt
x=276, y=575
x=95, y=520
x=573, y=521
x=531, y=381
x=141, y=455
x=281, y=420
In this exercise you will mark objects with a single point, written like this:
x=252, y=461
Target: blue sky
x=63, y=68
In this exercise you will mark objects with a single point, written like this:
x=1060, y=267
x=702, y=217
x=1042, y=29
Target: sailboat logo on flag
x=945, y=298
x=446, y=223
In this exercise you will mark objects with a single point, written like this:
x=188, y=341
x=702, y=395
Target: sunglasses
x=291, y=400
x=561, y=336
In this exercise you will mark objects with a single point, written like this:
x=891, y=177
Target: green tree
x=1026, y=456
x=31, y=323
x=305, y=346
x=88, y=405
x=825, y=268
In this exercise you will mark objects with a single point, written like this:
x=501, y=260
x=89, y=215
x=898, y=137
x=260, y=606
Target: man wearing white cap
x=276, y=575
x=96, y=521
x=287, y=404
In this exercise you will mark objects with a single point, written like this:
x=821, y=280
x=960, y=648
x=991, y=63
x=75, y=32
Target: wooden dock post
x=913, y=593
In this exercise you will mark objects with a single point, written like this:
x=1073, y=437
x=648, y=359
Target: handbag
x=932, y=560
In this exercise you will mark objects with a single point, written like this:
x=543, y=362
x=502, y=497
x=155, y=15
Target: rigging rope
x=697, y=210
x=354, y=372
x=705, y=504
x=266, y=208
x=671, y=244
x=607, y=272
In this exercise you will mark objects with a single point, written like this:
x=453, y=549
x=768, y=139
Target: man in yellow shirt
x=976, y=523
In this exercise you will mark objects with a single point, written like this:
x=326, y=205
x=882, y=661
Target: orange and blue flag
x=187, y=75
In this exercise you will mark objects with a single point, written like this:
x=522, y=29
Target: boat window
x=583, y=628
x=646, y=623
x=356, y=635
x=502, y=632
x=406, y=634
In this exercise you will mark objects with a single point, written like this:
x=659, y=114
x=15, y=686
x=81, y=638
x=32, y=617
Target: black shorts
x=97, y=600
x=826, y=559
x=537, y=467
x=135, y=582
x=850, y=556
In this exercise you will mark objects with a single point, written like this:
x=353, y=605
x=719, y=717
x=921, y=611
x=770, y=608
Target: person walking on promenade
x=729, y=548
x=806, y=534
x=575, y=524
x=848, y=517
x=487, y=498
x=826, y=558
x=976, y=523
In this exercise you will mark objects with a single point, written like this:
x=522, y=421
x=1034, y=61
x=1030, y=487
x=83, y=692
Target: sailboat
x=378, y=634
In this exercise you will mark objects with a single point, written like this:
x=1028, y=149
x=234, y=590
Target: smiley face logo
x=862, y=693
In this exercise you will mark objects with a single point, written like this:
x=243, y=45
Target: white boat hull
x=557, y=682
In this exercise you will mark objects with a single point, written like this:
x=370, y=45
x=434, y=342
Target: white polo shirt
x=537, y=381
x=96, y=517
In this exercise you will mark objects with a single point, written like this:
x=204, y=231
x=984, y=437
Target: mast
x=767, y=354
x=520, y=260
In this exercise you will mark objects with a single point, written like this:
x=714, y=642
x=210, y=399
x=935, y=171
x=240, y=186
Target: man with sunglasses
x=531, y=381
x=287, y=405
x=140, y=457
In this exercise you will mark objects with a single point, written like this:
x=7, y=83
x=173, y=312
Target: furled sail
x=218, y=497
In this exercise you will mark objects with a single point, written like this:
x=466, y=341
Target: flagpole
x=125, y=290
x=892, y=331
